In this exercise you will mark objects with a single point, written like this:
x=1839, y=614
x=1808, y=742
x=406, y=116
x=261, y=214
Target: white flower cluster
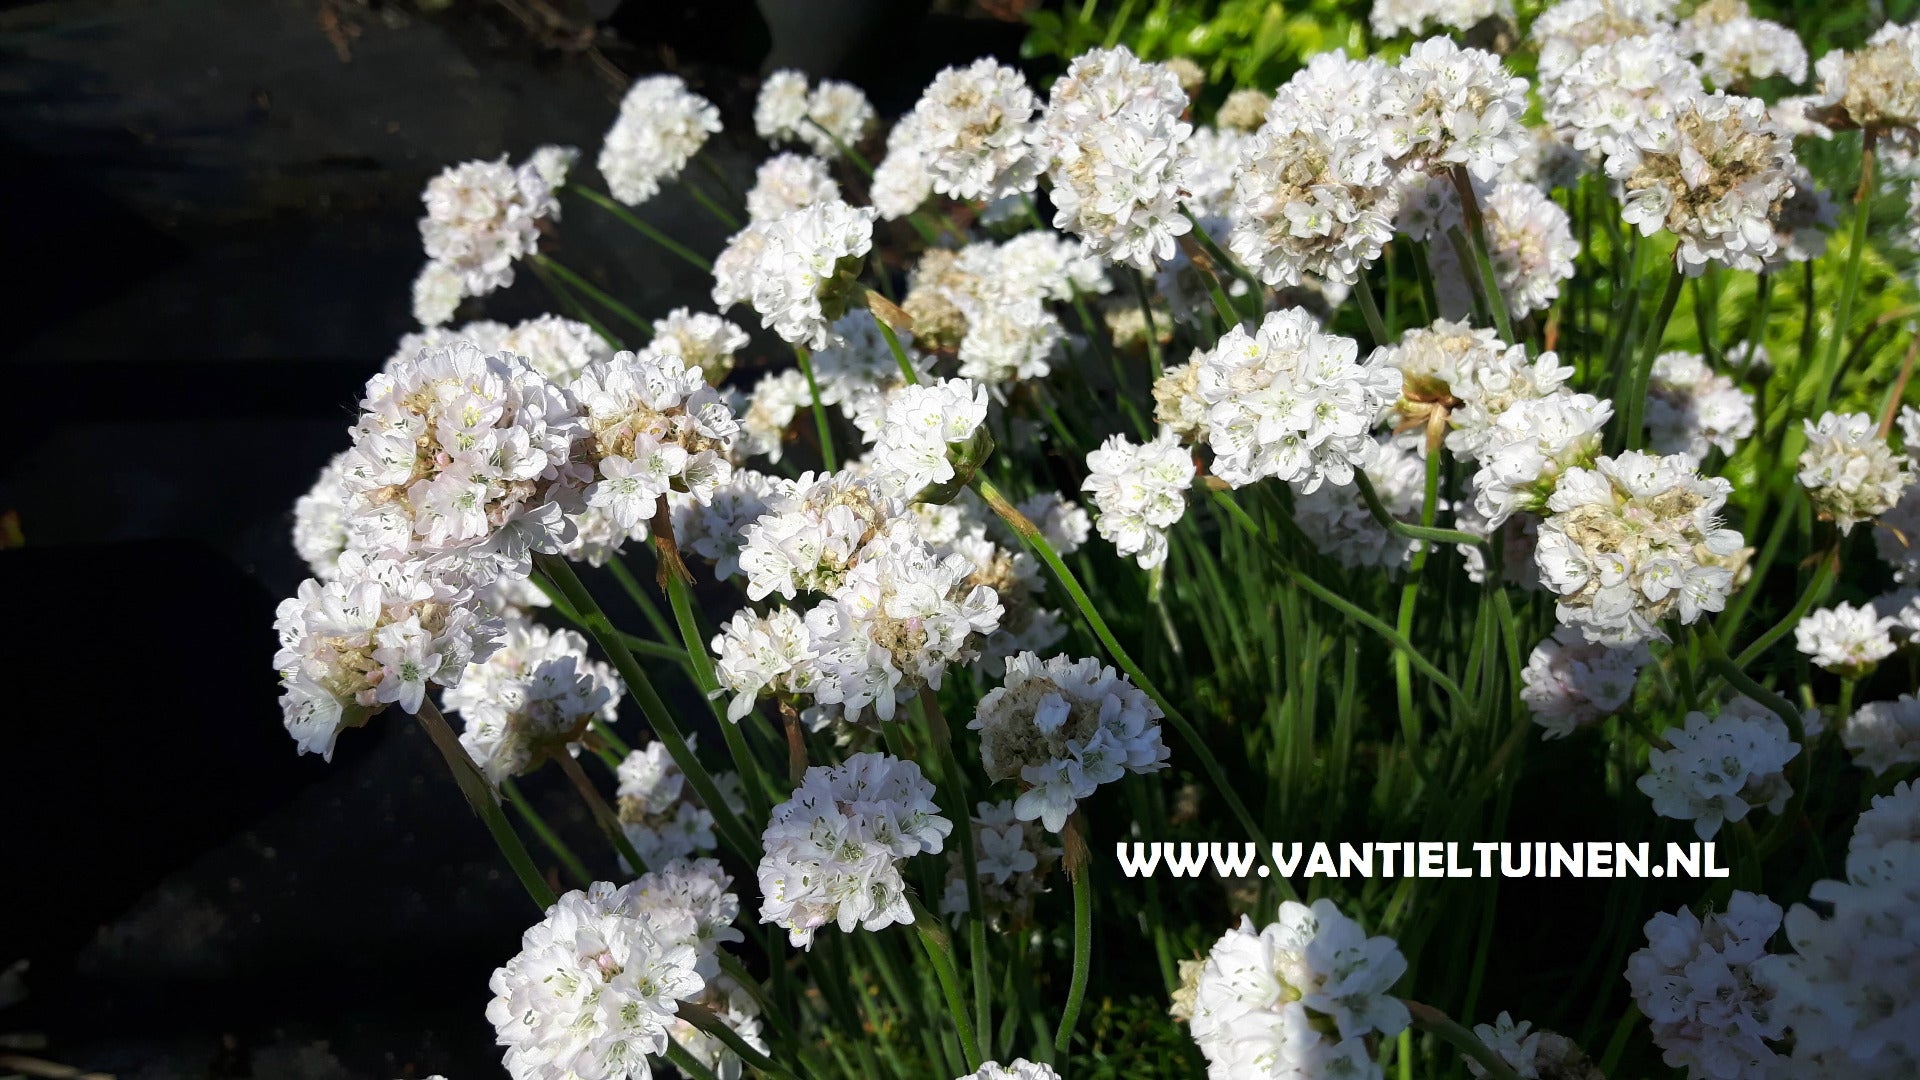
x=1063, y=728
x=830, y=116
x=437, y=293
x=1570, y=682
x=1696, y=982
x=1884, y=734
x=1714, y=173
x=1012, y=859
x=1633, y=540
x=1568, y=30
x=1314, y=193
x=1735, y=48
x=1445, y=106
x=1298, y=997
x=1691, y=408
x=1877, y=86
x=812, y=531
x=977, y=131
x=788, y=182
x=833, y=850
x=1845, y=639
x=1017, y=1069
x=1532, y=1055
x=482, y=217
x=716, y=529
x=1849, y=471
x=1393, y=17
x=320, y=520
x=531, y=699
x=1530, y=445
x=661, y=125
x=1140, y=493
x=901, y=181
x=1719, y=768
x=595, y=986
x=1614, y=89
x=797, y=271
x=655, y=426
x=700, y=340
x=462, y=454
x=374, y=634
x=1849, y=994
x=1292, y=402
x=661, y=816
x=1115, y=149
x=558, y=348
x=1454, y=374
x=924, y=424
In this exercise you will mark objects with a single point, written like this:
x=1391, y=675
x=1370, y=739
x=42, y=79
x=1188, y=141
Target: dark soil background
x=210, y=210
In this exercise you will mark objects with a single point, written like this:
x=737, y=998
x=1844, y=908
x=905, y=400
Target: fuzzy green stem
x=1370, y=311
x=720, y=213
x=574, y=867
x=1400, y=528
x=603, y=815
x=1635, y=399
x=594, y=292
x=1082, y=941
x=1146, y=313
x=1850, y=284
x=1726, y=668
x=1477, y=243
x=704, y=1019
x=927, y=706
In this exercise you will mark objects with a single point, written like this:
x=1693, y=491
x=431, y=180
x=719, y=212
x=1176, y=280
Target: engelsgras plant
x=1332, y=471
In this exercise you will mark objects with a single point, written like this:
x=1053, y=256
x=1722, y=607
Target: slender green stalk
x=1146, y=312
x=701, y=1017
x=1219, y=254
x=1363, y=292
x=1723, y=665
x=1850, y=283
x=479, y=794
x=1082, y=946
x=643, y=600
x=848, y=152
x=579, y=309
x=633, y=221
x=820, y=424
x=1815, y=590
x=665, y=727
x=1634, y=400
x=1477, y=242
x=1208, y=763
x=720, y=213
x=1433, y=1021
x=927, y=709
x=939, y=948
x=1340, y=603
x=603, y=815
x=899, y=351
x=681, y=1058
x=680, y=596
x=1400, y=528
x=574, y=867
x=594, y=292
x=1409, y=600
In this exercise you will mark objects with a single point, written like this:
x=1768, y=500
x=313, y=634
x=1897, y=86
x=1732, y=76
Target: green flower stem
x=704, y=1019
x=939, y=948
x=927, y=708
x=846, y=151
x=1726, y=668
x=1850, y=283
x=1219, y=254
x=1816, y=589
x=633, y=221
x=1208, y=763
x=580, y=311
x=1434, y=1022
x=801, y=354
x=1477, y=244
x=1370, y=311
x=637, y=593
x=479, y=794
x=603, y=815
x=720, y=213
x=1146, y=312
x=1340, y=603
x=574, y=867
x=1412, y=532
x=735, y=970
x=681, y=1058
x=751, y=778
x=1423, y=275
x=634, y=642
x=1409, y=597
x=899, y=351
x=1634, y=399
x=593, y=292
x=665, y=727
x=1082, y=934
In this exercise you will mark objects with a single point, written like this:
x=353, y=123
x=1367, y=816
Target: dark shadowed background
x=210, y=214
